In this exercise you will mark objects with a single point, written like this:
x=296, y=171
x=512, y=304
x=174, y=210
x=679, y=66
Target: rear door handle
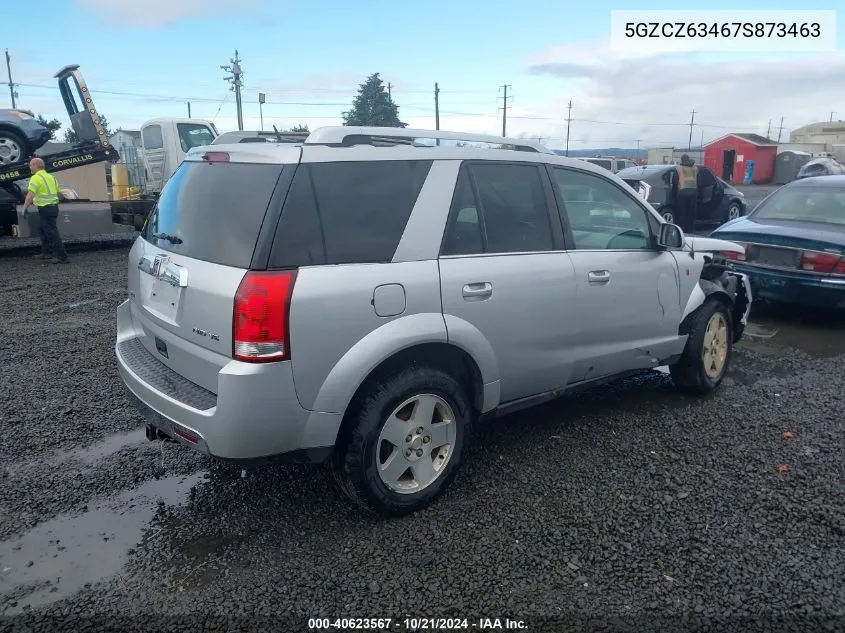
x=598, y=276
x=477, y=291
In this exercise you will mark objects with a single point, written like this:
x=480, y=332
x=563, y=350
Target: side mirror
x=670, y=236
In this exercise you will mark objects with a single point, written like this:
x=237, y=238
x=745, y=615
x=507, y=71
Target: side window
x=463, y=235
x=347, y=212
x=513, y=207
x=602, y=216
x=152, y=138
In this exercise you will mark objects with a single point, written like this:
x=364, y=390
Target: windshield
x=805, y=204
x=194, y=135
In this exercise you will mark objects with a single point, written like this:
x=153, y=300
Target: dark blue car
x=795, y=243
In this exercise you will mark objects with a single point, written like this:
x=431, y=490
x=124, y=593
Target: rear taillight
x=737, y=257
x=260, y=326
x=819, y=262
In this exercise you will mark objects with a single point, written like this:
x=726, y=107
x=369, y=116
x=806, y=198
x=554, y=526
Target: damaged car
x=371, y=304
x=20, y=135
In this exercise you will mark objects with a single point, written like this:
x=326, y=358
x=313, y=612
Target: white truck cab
x=164, y=143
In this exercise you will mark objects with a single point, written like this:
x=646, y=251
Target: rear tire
x=13, y=147
x=668, y=215
x=734, y=211
x=708, y=351
x=419, y=418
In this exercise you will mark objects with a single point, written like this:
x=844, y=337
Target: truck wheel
x=409, y=436
x=13, y=147
x=708, y=352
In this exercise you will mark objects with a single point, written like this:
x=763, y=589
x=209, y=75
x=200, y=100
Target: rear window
x=805, y=204
x=215, y=209
x=347, y=212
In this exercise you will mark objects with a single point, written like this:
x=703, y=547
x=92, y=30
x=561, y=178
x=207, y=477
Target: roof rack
x=352, y=135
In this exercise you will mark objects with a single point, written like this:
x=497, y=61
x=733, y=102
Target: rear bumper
x=254, y=414
x=798, y=288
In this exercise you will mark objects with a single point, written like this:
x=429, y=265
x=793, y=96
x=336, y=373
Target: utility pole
x=189, y=109
x=769, y=130
x=436, y=106
x=235, y=79
x=780, y=129
x=262, y=99
x=505, y=110
x=831, y=116
x=568, y=121
x=691, y=123
x=390, y=92
x=637, y=157
x=11, y=83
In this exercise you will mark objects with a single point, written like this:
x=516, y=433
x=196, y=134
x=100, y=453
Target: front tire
x=408, y=436
x=708, y=351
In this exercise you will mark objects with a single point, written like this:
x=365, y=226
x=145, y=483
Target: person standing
x=43, y=191
x=687, y=198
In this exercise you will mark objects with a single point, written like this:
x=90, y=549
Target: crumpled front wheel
x=708, y=352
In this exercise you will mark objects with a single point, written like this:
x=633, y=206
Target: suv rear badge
x=199, y=332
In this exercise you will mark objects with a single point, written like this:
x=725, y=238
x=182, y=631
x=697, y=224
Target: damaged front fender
x=731, y=287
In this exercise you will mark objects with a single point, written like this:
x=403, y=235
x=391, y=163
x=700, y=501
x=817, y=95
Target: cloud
x=164, y=13
x=618, y=99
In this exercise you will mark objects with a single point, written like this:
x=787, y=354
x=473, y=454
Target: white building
x=829, y=133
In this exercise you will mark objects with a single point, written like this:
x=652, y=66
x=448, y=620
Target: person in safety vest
x=687, y=198
x=43, y=190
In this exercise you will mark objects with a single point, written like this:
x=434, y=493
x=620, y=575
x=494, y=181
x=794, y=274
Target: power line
x=407, y=106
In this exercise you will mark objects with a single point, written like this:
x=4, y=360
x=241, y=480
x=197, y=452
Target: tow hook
x=155, y=434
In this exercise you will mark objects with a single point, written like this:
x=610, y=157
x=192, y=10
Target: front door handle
x=598, y=276
x=477, y=291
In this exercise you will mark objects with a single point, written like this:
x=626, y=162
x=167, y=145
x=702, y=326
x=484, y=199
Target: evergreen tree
x=53, y=125
x=298, y=129
x=373, y=107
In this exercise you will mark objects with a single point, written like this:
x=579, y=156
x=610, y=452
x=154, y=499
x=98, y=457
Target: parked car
x=718, y=202
x=821, y=167
x=368, y=305
x=795, y=243
x=20, y=135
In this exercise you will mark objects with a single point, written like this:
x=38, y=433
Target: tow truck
x=93, y=145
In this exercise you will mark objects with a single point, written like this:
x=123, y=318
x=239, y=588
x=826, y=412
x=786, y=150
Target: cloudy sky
x=148, y=58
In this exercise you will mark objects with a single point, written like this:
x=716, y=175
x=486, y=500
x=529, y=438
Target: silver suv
x=368, y=295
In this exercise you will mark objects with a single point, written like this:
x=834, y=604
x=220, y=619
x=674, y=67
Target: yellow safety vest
x=687, y=177
x=45, y=187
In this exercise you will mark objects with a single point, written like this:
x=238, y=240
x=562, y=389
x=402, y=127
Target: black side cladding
x=347, y=212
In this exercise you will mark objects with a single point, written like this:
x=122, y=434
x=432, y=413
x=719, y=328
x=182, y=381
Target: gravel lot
x=632, y=508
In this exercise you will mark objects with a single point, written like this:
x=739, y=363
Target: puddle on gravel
x=88, y=455
x=59, y=557
x=818, y=333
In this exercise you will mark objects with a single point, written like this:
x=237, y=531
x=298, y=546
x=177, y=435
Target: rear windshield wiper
x=170, y=238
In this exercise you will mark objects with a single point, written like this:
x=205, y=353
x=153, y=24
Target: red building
x=728, y=157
